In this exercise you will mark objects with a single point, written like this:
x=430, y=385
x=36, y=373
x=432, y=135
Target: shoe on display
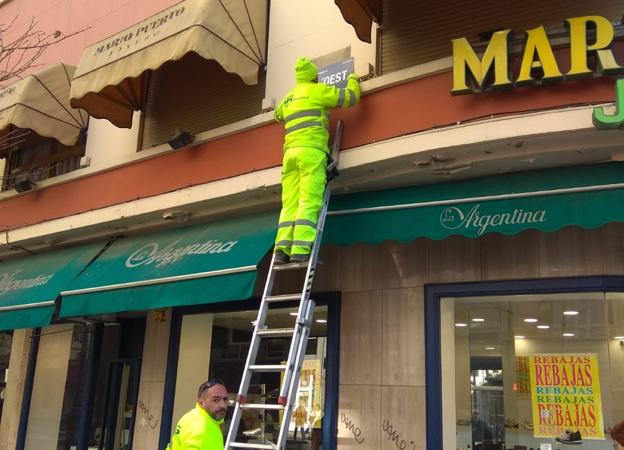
x=570, y=437
x=254, y=432
x=281, y=257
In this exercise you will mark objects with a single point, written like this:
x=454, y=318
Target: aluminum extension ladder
x=299, y=334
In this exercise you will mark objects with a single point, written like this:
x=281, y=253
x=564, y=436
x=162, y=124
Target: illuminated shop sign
x=472, y=73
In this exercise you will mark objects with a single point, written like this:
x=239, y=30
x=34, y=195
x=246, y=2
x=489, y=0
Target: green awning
x=545, y=200
x=30, y=285
x=206, y=263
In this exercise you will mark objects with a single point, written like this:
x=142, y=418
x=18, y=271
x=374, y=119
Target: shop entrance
x=119, y=409
x=115, y=395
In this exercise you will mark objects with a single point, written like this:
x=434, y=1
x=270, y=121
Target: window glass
x=6, y=340
x=51, y=402
x=116, y=384
x=532, y=371
x=33, y=158
x=58, y=395
x=216, y=346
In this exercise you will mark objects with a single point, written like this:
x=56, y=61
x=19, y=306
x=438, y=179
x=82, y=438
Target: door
x=120, y=405
x=114, y=395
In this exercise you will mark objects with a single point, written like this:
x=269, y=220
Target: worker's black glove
x=332, y=170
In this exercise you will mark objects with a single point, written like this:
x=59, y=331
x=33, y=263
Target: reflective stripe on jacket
x=305, y=111
x=196, y=430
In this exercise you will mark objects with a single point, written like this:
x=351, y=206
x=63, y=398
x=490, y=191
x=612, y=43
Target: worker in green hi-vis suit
x=304, y=111
x=200, y=428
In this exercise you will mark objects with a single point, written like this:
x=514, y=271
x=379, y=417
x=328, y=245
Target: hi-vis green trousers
x=304, y=176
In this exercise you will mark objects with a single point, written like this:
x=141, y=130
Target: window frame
x=57, y=154
x=436, y=292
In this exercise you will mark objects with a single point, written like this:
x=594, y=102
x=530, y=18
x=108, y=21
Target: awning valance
x=361, y=14
x=544, y=200
x=187, y=266
x=30, y=285
x=108, y=82
x=40, y=102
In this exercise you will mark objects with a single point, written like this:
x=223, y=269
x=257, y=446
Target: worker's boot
x=281, y=257
x=299, y=258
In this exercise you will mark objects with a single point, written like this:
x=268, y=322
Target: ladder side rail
x=251, y=355
x=303, y=302
x=288, y=410
x=302, y=327
x=309, y=277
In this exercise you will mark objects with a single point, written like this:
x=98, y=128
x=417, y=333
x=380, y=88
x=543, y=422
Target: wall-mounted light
x=24, y=185
x=180, y=139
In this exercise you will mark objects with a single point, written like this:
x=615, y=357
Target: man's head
x=305, y=70
x=476, y=415
x=213, y=397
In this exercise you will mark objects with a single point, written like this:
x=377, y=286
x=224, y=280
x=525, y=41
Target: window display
x=532, y=371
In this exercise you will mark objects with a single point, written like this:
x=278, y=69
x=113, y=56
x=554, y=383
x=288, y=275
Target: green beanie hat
x=305, y=70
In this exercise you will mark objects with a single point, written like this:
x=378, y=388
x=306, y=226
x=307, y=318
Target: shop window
x=216, y=346
x=196, y=95
x=115, y=393
x=30, y=157
x=55, y=402
x=532, y=371
x=68, y=356
x=6, y=340
x=417, y=32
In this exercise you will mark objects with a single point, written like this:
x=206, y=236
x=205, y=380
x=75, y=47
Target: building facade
x=471, y=291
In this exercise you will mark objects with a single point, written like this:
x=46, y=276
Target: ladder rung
x=271, y=406
x=268, y=368
x=298, y=334
x=283, y=298
x=291, y=266
x=277, y=332
x=247, y=445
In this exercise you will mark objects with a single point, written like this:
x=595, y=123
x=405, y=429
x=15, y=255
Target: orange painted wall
x=403, y=109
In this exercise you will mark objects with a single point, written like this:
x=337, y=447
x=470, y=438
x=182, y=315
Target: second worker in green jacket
x=200, y=428
x=305, y=113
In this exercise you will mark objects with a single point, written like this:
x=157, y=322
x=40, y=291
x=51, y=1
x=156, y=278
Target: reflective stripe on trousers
x=303, y=184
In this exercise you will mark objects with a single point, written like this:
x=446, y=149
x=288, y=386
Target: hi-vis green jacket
x=305, y=111
x=196, y=430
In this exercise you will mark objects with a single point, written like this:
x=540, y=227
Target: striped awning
x=40, y=102
x=361, y=14
x=110, y=82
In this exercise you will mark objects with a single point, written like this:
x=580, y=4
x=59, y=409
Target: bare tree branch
x=20, y=51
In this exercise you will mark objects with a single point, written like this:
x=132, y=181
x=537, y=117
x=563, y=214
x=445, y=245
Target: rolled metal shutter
x=196, y=95
x=418, y=31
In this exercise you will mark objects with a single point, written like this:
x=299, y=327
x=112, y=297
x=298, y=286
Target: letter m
x=465, y=57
